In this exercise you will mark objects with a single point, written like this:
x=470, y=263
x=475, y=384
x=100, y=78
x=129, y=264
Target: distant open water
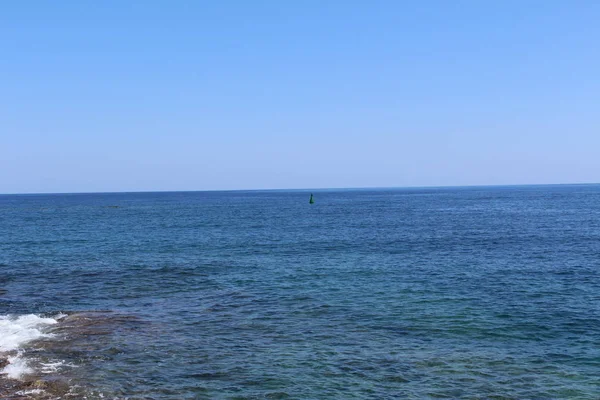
x=459, y=293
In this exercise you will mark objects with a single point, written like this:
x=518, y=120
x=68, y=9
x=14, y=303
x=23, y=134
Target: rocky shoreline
x=33, y=388
x=84, y=335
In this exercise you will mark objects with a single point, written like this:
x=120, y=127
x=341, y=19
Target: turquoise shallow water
x=460, y=293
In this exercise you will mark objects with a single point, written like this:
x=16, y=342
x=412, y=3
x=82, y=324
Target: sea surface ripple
x=458, y=293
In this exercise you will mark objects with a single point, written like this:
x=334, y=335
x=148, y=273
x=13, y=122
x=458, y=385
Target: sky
x=100, y=96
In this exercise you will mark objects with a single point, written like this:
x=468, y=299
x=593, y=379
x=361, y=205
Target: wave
x=15, y=333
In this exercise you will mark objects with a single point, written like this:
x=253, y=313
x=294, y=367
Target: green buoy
x=311, y=201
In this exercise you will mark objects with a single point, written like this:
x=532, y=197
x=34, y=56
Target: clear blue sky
x=194, y=95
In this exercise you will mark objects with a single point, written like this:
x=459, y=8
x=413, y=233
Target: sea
x=416, y=293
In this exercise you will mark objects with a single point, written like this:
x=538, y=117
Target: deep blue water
x=460, y=293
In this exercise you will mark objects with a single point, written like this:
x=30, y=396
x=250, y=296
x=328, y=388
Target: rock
x=39, y=384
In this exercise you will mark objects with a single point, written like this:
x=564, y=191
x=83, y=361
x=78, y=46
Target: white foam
x=31, y=391
x=52, y=367
x=17, y=367
x=14, y=333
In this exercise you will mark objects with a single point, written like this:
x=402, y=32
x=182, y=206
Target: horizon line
x=305, y=189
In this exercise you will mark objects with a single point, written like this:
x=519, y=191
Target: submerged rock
x=38, y=389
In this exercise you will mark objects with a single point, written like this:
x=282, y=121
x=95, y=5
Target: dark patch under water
x=473, y=293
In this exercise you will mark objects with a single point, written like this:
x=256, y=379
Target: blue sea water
x=458, y=293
